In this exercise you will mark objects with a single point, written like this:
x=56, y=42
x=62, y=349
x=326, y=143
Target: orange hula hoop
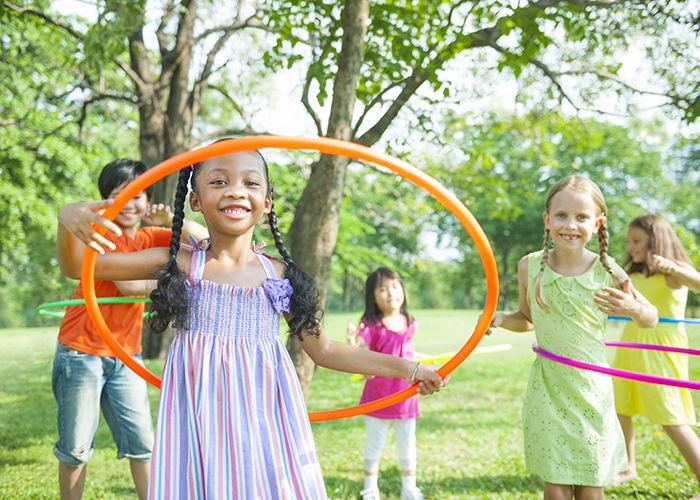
x=322, y=145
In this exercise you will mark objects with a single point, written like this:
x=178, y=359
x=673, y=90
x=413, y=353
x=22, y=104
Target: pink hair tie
x=257, y=249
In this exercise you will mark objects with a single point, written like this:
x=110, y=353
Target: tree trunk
x=165, y=125
x=347, y=290
x=314, y=231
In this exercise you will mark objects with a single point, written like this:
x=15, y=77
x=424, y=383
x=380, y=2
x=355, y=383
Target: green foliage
x=51, y=155
x=503, y=168
x=415, y=40
x=382, y=219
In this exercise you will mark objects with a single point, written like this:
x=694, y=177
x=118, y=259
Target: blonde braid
x=603, y=252
x=538, y=279
x=603, y=247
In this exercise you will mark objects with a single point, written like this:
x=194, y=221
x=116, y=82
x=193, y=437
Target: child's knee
x=76, y=457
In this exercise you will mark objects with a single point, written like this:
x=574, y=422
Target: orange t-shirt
x=124, y=320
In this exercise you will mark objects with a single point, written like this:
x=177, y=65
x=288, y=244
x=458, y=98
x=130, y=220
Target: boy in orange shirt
x=86, y=374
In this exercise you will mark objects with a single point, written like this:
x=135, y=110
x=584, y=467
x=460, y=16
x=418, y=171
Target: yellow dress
x=661, y=404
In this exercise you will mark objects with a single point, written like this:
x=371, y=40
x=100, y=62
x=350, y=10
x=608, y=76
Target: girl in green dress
x=661, y=269
x=572, y=438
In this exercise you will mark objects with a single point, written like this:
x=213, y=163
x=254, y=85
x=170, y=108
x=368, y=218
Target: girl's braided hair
x=169, y=298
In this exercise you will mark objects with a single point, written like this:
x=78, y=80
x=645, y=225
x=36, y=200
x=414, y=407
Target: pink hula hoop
x=616, y=372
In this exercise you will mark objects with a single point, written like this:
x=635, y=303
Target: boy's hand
x=159, y=215
x=78, y=218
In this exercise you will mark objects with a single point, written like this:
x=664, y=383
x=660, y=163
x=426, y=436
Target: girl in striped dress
x=232, y=422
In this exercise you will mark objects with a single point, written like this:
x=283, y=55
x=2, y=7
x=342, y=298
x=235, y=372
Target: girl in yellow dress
x=661, y=270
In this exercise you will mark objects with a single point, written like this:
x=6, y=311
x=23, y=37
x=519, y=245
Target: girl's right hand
x=496, y=321
x=79, y=217
x=351, y=333
x=430, y=380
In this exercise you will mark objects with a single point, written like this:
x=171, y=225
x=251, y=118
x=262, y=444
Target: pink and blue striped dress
x=232, y=422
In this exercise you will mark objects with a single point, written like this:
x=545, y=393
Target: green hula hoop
x=43, y=309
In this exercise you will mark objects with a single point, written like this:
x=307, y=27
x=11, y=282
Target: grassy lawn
x=469, y=436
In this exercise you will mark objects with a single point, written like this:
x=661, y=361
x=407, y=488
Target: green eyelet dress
x=571, y=432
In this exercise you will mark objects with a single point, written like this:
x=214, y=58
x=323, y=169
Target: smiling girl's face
x=572, y=219
x=231, y=192
x=389, y=296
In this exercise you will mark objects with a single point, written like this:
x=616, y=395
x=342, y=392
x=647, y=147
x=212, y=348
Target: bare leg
x=558, y=491
x=140, y=473
x=628, y=430
x=588, y=493
x=71, y=481
x=689, y=445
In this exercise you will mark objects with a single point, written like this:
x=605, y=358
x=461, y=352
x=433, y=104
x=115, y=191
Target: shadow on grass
x=390, y=485
x=28, y=414
x=482, y=484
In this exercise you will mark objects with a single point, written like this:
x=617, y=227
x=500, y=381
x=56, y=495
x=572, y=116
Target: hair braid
x=538, y=279
x=304, y=305
x=603, y=252
x=169, y=298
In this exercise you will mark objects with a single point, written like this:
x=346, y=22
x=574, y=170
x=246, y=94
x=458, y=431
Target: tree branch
x=605, y=75
x=552, y=75
x=480, y=38
x=37, y=13
x=378, y=99
x=234, y=104
x=251, y=22
x=307, y=86
x=226, y=132
x=161, y=36
x=308, y=107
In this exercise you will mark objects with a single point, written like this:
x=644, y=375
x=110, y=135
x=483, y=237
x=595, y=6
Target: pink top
x=380, y=339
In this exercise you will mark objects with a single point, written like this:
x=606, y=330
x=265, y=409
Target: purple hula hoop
x=616, y=372
x=654, y=347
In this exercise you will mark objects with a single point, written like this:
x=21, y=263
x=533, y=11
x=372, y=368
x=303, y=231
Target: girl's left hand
x=430, y=381
x=159, y=215
x=617, y=302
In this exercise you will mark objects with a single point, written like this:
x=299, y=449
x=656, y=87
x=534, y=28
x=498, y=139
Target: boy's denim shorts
x=84, y=383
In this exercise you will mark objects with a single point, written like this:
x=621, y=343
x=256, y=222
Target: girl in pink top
x=387, y=327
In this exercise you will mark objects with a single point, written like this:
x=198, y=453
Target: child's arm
x=520, y=320
x=75, y=228
x=141, y=265
x=680, y=274
x=626, y=301
x=136, y=287
x=346, y=358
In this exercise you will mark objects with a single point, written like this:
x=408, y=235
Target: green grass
x=469, y=435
